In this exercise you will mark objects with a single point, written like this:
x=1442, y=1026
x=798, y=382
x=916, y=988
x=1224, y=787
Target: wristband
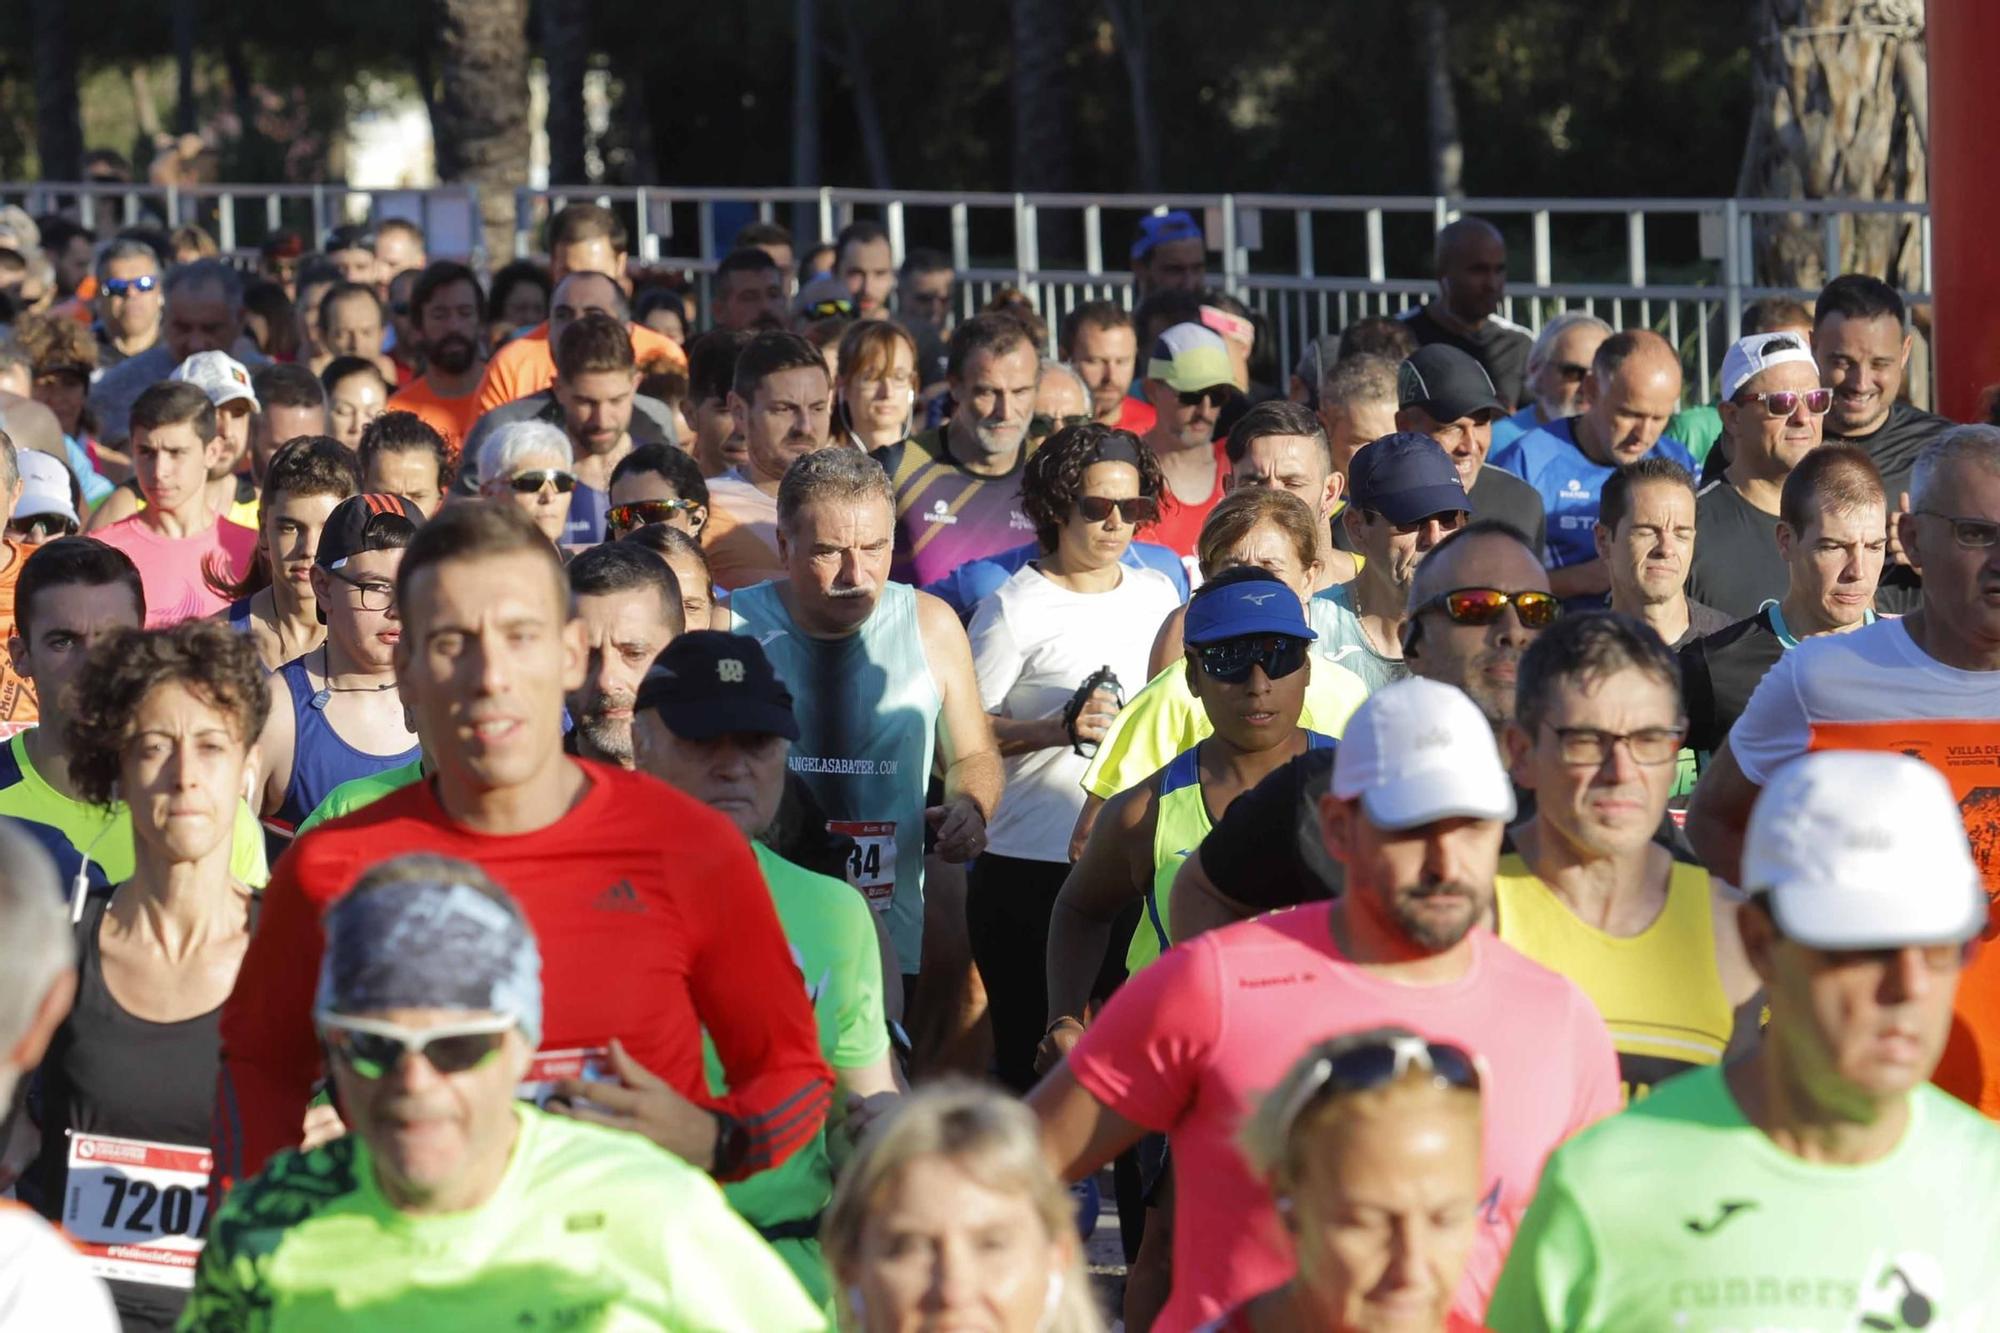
x=1066, y=1018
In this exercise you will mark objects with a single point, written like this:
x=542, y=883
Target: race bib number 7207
x=137, y=1210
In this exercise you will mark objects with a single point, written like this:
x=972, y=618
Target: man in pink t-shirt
x=181, y=545
x=1417, y=809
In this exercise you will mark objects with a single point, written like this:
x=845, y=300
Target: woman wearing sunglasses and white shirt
x=530, y=463
x=165, y=723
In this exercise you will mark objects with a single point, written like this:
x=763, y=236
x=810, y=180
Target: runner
x=711, y=372
x=953, y=1173
x=877, y=386
x=596, y=382
x=781, y=401
x=290, y=402
x=1814, y=1183
x=1922, y=684
x=178, y=538
x=880, y=673
x=74, y=592
x=656, y=483
x=1586, y=891
x=401, y=455
x=452, y=1205
x=528, y=465
x=448, y=308
x=1184, y=1047
x=332, y=714
x=1382, y=1125
x=1465, y=314
x=17, y=696
x=1648, y=535
x=1189, y=381
x=43, y=1283
x=1098, y=342
x=166, y=725
x=274, y=602
x=700, y=608
x=204, y=313
x=231, y=493
x=630, y=606
x=1038, y=642
x=356, y=393
x=715, y=722
x=1558, y=365
x=647, y=941
x=1282, y=446
x=1445, y=393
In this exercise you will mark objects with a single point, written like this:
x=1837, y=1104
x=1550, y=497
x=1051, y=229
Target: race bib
x=871, y=866
x=136, y=1210
x=549, y=1068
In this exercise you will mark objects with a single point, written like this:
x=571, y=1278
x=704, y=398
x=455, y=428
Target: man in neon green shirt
x=71, y=593
x=1820, y=1182
x=714, y=720
x=451, y=1205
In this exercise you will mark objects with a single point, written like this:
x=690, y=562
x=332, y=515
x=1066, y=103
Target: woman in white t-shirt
x=1061, y=619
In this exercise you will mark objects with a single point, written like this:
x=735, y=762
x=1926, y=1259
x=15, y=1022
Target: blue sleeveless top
x=321, y=760
x=867, y=710
x=239, y=615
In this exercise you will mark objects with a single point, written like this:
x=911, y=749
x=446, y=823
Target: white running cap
x=1419, y=751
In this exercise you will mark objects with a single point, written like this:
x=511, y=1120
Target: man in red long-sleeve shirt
x=652, y=916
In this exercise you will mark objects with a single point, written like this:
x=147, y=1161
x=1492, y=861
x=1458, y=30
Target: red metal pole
x=1963, y=38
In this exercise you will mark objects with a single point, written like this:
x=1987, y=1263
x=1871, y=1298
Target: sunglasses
x=372, y=1048
x=1041, y=426
x=827, y=309
x=122, y=286
x=1230, y=661
x=1974, y=534
x=531, y=483
x=1365, y=1068
x=1483, y=606
x=42, y=528
x=1132, y=511
x=1784, y=402
x=1570, y=371
x=642, y=512
x=1649, y=746
x=1215, y=394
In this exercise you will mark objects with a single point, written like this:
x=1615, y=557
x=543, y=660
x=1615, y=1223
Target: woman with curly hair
x=1055, y=626
x=163, y=722
x=273, y=602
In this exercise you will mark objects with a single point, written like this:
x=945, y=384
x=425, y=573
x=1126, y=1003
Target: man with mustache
x=1415, y=814
x=630, y=606
x=448, y=308
x=1816, y=1182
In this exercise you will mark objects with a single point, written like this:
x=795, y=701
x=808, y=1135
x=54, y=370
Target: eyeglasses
x=1216, y=394
x=373, y=596
x=1784, y=402
x=1132, y=510
x=1974, y=534
x=1647, y=746
x=1483, y=606
x=639, y=513
x=530, y=483
x=41, y=528
x=1570, y=371
x=1365, y=1068
x=1230, y=660
x=1040, y=426
x=372, y=1048
x=122, y=286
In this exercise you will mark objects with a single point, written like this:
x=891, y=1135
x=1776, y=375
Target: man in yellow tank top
x=1587, y=892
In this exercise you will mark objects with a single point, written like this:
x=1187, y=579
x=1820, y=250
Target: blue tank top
x=867, y=710
x=321, y=760
x=239, y=615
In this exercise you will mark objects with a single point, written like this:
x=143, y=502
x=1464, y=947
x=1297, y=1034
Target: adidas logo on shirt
x=620, y=897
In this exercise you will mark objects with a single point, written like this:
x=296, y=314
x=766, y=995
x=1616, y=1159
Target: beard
x=453, y=354
x=1427, y=929
x=609, y=736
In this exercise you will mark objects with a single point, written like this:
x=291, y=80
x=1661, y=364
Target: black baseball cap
x=1446, y=383
x=707, y=683
x=376, y=522
x=1405, y=477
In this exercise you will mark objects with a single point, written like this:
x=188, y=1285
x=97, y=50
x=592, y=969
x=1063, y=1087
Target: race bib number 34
x=871, y=866
x=137, y=1210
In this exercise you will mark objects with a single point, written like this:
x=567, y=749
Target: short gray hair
x=10, y=462
x=1361, y=378
x=40, y=947
x=1051, y=366
x=207, y=273
x=124, y=247
x=833, y=473
x=1538, y=355
x=506, y=447
x=1977, y=445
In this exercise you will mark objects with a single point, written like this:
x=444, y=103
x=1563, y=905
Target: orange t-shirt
x=528, y=364
x=449, y=417
x=18, y=709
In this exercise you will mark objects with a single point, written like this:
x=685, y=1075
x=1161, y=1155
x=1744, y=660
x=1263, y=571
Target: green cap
x=1189, y=357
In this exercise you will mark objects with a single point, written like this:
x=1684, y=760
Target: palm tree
x=480, y=119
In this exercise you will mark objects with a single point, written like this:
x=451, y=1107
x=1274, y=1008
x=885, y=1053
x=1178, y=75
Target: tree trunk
x=184, y=27
x=480, y=123
x=58, y=124
x=867, y=111
x=1838, y=106
x=1128, y=25
x=805, y=111
x=565, y=52
x=1041, y=103
x=1447, y=152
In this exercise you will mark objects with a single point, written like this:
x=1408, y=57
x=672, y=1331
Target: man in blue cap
x=1404, y=496
x=1169, y=254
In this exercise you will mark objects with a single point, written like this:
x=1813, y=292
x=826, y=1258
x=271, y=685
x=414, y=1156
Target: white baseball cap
x=1863, y=851
x=1420, y=751
x=1749, y=357
x=44, y=486
x=220, y=376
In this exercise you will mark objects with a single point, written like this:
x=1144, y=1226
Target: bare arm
x=1086, y=819
x=1025, y=735
x=1197, y=905
x=1592, y=576
x=1167, y=644
x=120, y=504
x=1079, y=1133
x=275, y=748
x=1113, y=871
x=1719, y=814
x=973, y=776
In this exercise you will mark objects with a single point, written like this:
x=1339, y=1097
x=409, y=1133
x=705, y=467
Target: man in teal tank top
x=881, y=675
x=1820, y=1182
